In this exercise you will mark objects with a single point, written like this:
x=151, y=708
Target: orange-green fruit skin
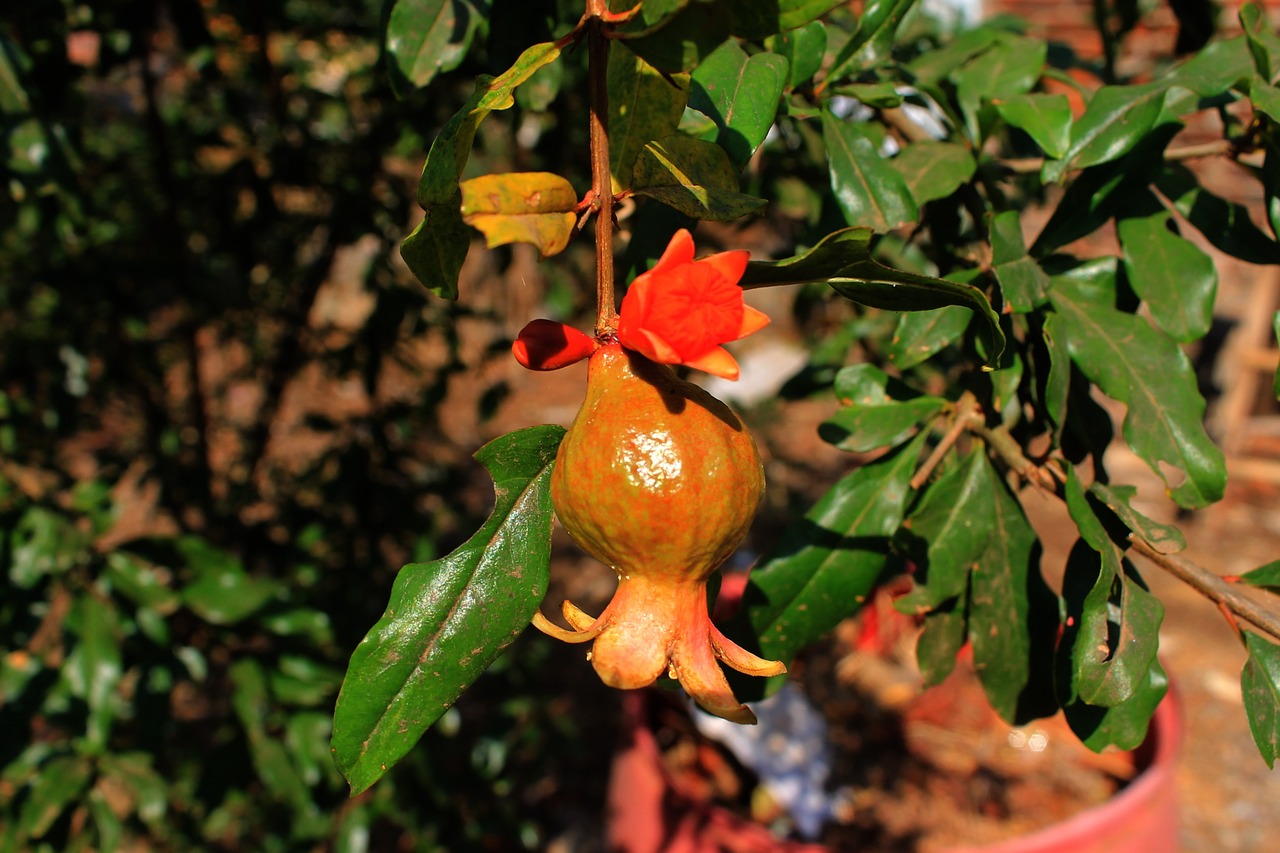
x=655, y=475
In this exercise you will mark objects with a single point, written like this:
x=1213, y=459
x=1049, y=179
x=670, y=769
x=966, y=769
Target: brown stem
x=966, y=411
x=1213, y=587
x=601, y=181
x=1008, y=449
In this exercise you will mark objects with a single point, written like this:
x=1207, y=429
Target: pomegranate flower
x=680, y=311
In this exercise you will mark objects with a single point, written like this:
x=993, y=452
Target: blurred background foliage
x=220, y=433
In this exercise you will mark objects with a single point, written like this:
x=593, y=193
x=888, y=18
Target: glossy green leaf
x=1265, y=99
x=1165, y=538
x=1137, y=365
x=694, y=177
x=644, y=105
x=875, y=411
x=932, y=66
x=921, y=334
x=1217, y=67
x=1225, y=224
x=1270, y=175
x=1122, y=726
x=94, y=666
x=222, y=592
x=110, y=828
x=1045, y=118
x=521, y=207
x=1176, y=279
x=135, y=774
x=447, y=620
x=1011, y=66
x=1260, y=685
x=1057, y=385
x=843, y=260
x=873, y=41
x=757, y=20
x=428, y=37
x=1116, y=120
x=825, y=565
x=948, y=533
x=61, y=783
x=740, y=94
x=1023, y=282
x=437, y=247
x=1267, y=575
x=1264, y=44
x=1013, y=616
x=869, y=191
x=803, y=49
x=934, y=170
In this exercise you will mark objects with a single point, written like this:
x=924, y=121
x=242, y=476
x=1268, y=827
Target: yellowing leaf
x=521, y=207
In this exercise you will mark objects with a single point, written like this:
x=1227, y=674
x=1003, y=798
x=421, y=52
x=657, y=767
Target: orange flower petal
x=717, y=362
x=753, y=320
x=731, y=265
x=679, y=251
x=548, y=345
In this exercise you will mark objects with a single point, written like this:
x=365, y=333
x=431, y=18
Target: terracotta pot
x=647, y=815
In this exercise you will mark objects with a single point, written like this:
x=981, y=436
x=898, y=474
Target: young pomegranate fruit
x=659, y=480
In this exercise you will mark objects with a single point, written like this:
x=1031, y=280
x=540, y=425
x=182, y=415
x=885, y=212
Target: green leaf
x=1263, y=43
x=1217, y=67
x=843, y=260
x=824, y=566
x=1009, y=67
x=920, y=334
x=644, y=105
x=1225, y=224
x=452, y=147
x=1122, y=726
x=758, y=20
x=1013, y=616
x=1057, y=387
x=447, y=620
x=1023, y=282
x=1267, y=575
x=1176, y=279
x=1116, y=120
x=1045, y=118
x=1165, y=538
x=694, y=177
x=141, y=582
x=94, y=667
x=876, y=411
x=437, y=247
x=271, y=762
x=61, y=782
x=1265, y=98
x=932, y=66
x=1260, y=684
x=1137, y=365
x=869, y=191
x=43, y=543
x=521, y=207
x=874, y=39
x=222, y=592
x=948, y=533
x=943, y=636
x=427, y=37
x=740, y=94
x=803, y=49
x=135, y=774
x=681, y=41
x=1118, y=627
x=933, y=170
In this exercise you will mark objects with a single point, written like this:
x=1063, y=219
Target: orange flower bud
x=548, y=345
x=680, y=311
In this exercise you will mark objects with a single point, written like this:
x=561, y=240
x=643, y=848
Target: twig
x=1008, y=449
x=1212, y=586
x=601, y=180
x=966, y=410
